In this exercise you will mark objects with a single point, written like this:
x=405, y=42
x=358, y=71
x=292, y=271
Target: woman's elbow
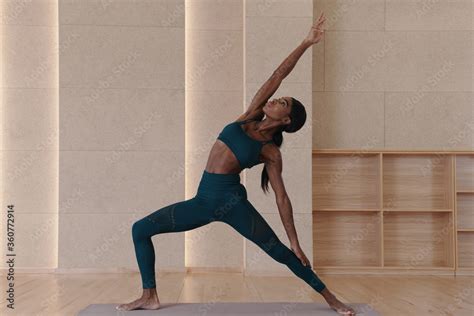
x=282, y=199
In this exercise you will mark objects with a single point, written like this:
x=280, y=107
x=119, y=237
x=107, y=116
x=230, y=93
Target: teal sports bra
x=245, y=148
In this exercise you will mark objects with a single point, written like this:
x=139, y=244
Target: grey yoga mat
x=229, y=309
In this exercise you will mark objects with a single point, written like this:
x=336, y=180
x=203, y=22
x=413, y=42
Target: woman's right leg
x=246, y=220
x=177, y=217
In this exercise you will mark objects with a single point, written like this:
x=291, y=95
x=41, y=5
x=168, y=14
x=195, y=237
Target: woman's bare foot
x=337, y=305
x=149, y=300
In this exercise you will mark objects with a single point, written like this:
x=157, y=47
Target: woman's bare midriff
x=222, y=159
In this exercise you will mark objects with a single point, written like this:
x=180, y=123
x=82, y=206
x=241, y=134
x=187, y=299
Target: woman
x=244, y=143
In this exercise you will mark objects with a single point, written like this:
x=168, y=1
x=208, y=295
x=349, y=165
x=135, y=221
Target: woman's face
x=278, y=108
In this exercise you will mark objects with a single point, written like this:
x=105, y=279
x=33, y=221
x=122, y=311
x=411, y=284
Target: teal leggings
x=220, y=197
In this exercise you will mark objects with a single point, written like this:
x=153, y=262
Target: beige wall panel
x=215, y=15
x=350, y=64
x=30, y=61
x=122, y=119
x=120, y=182
x=30, y=121
x=215, y=62
x=87, y=242
x=351, y=15
x=428, y=61
x=428, y=15
x=295, y=8
x=33, y=12
x=416, y=48
x=429, y=120
x=318, y=66
x=162, y=13
x=348, y=120
x=269, y=40
x=30, y=181
x=35, y=242
x=122, y=57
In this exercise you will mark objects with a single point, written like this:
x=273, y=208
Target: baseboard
x=4, y=271
x=214, y=270
x=271, y=273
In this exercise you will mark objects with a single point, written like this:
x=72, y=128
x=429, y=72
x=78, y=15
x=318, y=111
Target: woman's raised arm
x=271, y=85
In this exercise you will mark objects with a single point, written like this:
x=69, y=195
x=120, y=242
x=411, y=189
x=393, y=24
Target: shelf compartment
x=466, y=249
x=421, y=181
x=465, y=211
x=465, y=173
x=347, y=238
x=345, y=181
x=418, y=239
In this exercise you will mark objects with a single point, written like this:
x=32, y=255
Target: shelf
x=417, y=210
x=387, y=268
x=418, y=239
x=391, y=151
x=347, y=238
x=345, y=181
x=465, y=249
x=465, y=173
x=421, y=181
x=378, y=210
x=393, y=210
x=465, y=211
x=419, y=267
x=345, y=210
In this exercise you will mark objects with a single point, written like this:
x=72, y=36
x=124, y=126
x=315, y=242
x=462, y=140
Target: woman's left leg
x=245, y=219
x=177, y=217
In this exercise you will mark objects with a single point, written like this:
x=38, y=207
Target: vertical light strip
x=244, y=51
x=186, y=109
x=56, y=106
x=2, y=128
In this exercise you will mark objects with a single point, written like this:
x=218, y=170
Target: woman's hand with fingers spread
x=300, y=254
x=316, y=33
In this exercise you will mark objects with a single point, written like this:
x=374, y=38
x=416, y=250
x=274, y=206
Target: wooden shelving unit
x=393, y=210
x=464, y=203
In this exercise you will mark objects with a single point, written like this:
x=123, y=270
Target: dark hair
x=298, y=118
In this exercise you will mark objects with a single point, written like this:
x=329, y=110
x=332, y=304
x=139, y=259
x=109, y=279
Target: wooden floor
x=66, y=294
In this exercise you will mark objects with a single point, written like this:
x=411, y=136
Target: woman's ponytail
x=298, y=118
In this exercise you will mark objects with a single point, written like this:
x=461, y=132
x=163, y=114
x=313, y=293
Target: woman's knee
x=138, y=230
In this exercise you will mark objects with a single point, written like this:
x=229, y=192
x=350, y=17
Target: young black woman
x=221, y=196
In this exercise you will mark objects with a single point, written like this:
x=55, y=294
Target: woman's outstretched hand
x=300, y=254
x=316, y=33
